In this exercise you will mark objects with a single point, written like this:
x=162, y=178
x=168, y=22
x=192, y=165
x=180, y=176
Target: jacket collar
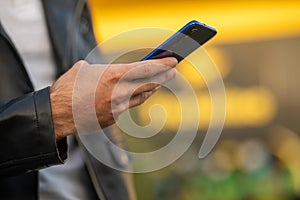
x=69, y=38
x=18, y=57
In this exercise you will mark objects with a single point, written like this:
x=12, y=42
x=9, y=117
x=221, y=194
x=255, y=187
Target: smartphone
x=183, y=42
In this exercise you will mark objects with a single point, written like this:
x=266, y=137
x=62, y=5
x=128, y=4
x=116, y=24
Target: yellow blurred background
x=256, y=51
x=235, y=20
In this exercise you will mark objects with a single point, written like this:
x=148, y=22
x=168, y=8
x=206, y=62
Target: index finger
x=149, y=68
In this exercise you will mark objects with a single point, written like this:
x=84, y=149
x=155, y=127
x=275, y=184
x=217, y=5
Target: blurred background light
x=256, y=51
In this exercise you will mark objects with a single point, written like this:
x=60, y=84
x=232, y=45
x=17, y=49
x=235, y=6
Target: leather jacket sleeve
x=27, y=140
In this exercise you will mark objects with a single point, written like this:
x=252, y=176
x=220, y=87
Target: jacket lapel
x=72, y=38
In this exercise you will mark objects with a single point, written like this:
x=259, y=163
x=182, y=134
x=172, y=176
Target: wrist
x=61, y=114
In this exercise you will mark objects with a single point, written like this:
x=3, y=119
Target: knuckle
x=146, y=67
x=120, y=108
x=119, y=97
x=126, y=69
x=81, y=63
x=170, y=74
x=120, y=94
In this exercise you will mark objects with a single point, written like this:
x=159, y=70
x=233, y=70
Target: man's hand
x=120, y=86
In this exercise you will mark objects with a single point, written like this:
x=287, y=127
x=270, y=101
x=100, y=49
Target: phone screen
x=183, y=42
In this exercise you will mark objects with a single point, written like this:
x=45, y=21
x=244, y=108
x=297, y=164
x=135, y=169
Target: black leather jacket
x=27, y=140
